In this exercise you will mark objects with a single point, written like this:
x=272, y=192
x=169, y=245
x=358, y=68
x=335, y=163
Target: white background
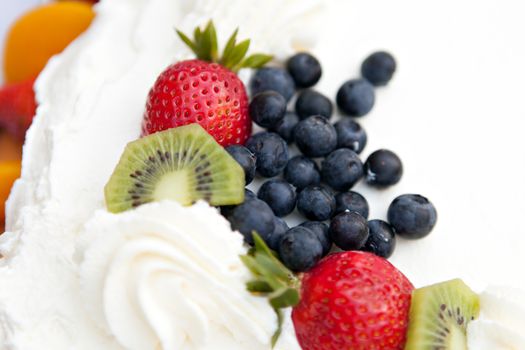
x=454, y=113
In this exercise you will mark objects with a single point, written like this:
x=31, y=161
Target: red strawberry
x=205, y=90
x=348, y=301
x=17, y=107
x=353, y=300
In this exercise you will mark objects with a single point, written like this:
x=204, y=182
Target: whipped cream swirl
x=169, y=277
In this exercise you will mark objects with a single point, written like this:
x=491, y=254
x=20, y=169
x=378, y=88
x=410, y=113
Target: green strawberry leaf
x=256, y=60
x=278, y=331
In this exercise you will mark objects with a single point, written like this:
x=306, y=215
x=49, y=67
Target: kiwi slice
x=183, y=164
x=439, y=315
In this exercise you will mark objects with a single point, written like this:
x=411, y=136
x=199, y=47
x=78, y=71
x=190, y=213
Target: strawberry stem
x=205, y=47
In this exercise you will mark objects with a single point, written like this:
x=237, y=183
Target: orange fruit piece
x=10, y=147
x=41, y=33
x=9, y=172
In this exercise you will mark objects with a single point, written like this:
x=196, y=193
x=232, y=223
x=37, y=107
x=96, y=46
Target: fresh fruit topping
x=10, y=147
x=310, y=102
x=184, y=164
x=275, y=79
x=378, y=68
x=381, y=239
x=300, y=249
x=279, y=195
x=205, y=90
x=253, y=215
x=9, y=172
x=305, y=69
x=315, y=136
x=351, y=201
x=281, y=227
x=316, y=203
x=439, y=316
x=352, y=300
x=17, y=108
x=341, y=169
x=383, y=168
x=412, y=216
x=267, y=108
x=350, y=135
x=286, y=126
x=40, y=34
x=301, y=172
x=349, y=230
x=271, y=152
x=321, y=231
x=356, y=97
x=246, y=160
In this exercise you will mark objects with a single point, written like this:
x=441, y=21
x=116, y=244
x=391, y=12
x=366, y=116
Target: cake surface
x=91, y=105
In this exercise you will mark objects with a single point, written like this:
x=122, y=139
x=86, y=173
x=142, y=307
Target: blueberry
x=378, y=68
x=271, y=152
x=281, y=227
x=227, y=209
x=246, y=160
x=321, y=231
x=271, y=78
x=305, y=69
x=301, y=172
x=279, y=195
x=252, y=215
x=350, y=135
x=316, y=203
x=383, y=168
x=381, y=239
x=412, y=216
x=267, y=108
x=311, y=102
x=356, y=97
x=315, y=136
x=300, y=249
x=285, y=128
x=349, y=230
x=351, y=201
x=341, y=169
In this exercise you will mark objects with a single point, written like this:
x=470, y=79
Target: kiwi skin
x=185, y=164
x=439, y=315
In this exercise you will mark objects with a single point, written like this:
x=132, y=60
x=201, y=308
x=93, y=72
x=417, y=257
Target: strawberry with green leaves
x=205, y=90
x=349, y=301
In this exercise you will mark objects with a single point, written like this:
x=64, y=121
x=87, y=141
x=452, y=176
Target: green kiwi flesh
x=184, y=164
x=439, y=315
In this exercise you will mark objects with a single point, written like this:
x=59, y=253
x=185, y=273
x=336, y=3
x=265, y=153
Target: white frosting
x=501, y=321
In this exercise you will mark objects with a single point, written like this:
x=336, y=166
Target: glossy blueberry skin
x=316, y=203
x=350, y=135
x=227, y=209
x=272, y=78
x=252, y=215
x=315, y=136
x=383, y=168
x=281, y=227
x=300, y=249
x=412, y=216
x=321, y=231
x=341, y=169
x=246, y=160
x=267, y=108
x=305, y=69
x=378, y=68
x=351, y=201
x=271, y=152
x=286, y=126
x=301, y=172
x=381, y=239
x=356, y=97
x=349, y=230
x=279, y=195
x=310, y=102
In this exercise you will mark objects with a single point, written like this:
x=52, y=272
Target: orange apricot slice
x=9, y=172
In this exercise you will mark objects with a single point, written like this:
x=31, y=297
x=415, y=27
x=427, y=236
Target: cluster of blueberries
x=320, y=193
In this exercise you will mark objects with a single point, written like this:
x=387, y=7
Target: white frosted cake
x=74, y=276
